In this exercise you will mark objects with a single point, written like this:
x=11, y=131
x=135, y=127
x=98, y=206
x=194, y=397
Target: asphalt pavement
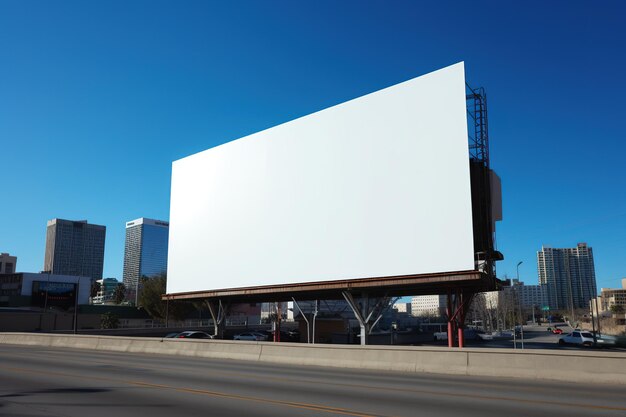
x=38, y=381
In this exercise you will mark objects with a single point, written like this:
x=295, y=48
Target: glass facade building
x=145, y=254
x=74, y=248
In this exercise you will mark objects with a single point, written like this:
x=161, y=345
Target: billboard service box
x=374, y=187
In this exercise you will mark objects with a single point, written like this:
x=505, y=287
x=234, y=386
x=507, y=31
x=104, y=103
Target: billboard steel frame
x=460, y=286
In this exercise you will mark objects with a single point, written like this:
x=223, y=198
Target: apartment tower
x=568, y=275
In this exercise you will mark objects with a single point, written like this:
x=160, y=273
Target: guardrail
x=571, y=366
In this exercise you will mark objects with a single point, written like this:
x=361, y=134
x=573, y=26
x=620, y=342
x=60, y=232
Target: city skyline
x=124, y=96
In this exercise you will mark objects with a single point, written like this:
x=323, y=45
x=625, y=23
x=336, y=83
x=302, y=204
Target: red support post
x=277, y=328
x=450, y=321
x=465, y=305
x=460, y=317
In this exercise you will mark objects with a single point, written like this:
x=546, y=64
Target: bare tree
x=119, y=294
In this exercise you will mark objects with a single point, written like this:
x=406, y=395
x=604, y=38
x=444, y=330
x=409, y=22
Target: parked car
x=258, y=337
x=468, y=334
x=440, y=336
x=291, y=336
x=171, y=335
x=189, y=334
x=577, y=337
x=556, y=330
x=606, y=341
x=284, y=336
x=264, y=336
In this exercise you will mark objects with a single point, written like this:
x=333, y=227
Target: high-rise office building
x=74, y=248
x=568, y=275
x=7, y=263
x=145, y=253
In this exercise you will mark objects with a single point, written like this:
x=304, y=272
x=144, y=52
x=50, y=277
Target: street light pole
x=520, y=307
x=77, y=289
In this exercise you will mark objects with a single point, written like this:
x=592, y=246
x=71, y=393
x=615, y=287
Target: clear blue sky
x=98, y=98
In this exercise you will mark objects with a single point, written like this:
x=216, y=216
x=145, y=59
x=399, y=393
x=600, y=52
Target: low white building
x=402, y=307
x=428, y=305
x=526, y=296
x=608, y=298
x=106, y=295
x=286, y=309
x=531, y=295
x=43, y=290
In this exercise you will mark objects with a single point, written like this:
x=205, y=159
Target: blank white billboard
x=374, y=187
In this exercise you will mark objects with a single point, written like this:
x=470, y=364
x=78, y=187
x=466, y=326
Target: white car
x=251, y=336
x=485, y=336
x=577, y=337
x=440, y=336
x=191, y=334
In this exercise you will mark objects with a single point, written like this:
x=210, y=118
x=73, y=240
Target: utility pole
x=76, y=307
x=314, y=319
x=519, y=304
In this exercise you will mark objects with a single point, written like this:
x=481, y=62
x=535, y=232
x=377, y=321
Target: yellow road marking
x=232, y=374
x=405, y=390
x=292, y=404
x=260, y=400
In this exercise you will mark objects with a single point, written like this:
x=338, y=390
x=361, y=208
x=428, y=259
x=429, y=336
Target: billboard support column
x=313, y=320
x=449, y=313
x=466, y=302
x=368, y=317
x=308, y=330
x=278, y=310
x=358, y=314
x=461, y=319
x=457, y=310
x=218, y=313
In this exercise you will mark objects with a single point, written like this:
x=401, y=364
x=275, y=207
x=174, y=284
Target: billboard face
x=53, y=294
x=374, y=187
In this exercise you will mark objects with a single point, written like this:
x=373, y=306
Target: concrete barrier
x=387, y=358
x=590, y=366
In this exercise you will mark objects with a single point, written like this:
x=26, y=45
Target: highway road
x=37, y=381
